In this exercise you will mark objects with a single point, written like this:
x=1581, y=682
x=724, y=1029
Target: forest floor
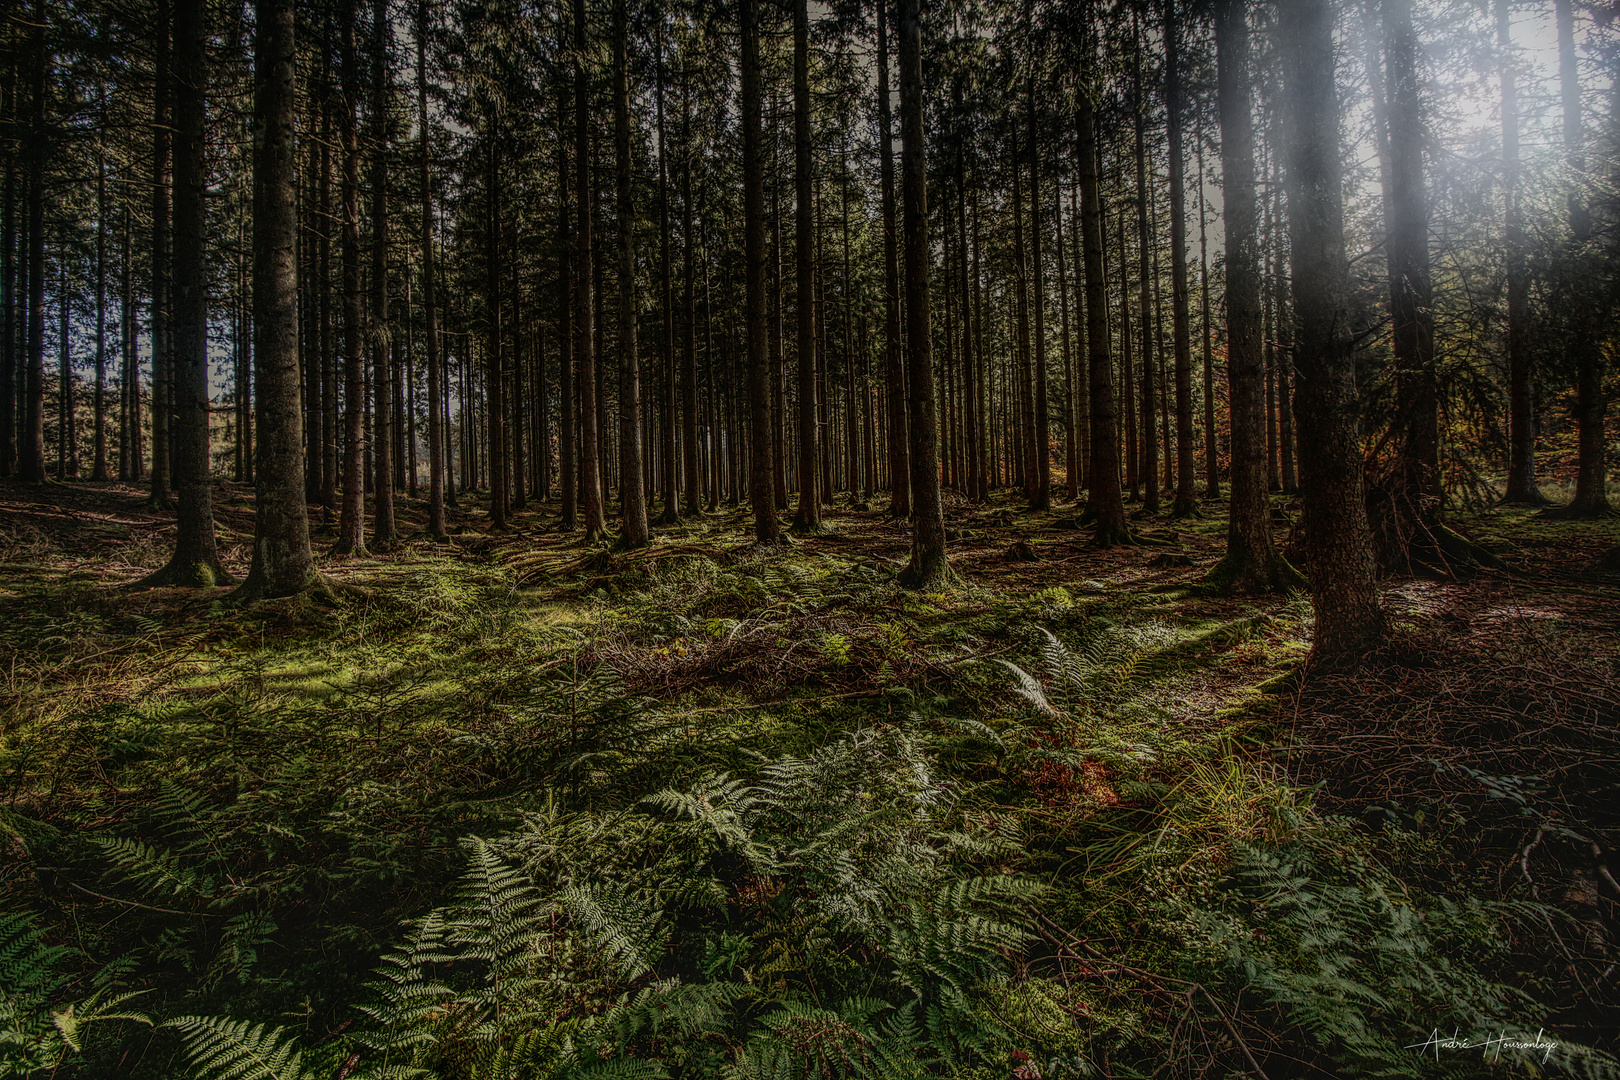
x=1067, y=816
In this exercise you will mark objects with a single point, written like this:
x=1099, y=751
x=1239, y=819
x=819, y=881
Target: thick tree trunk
x=632, y=495
x=929, y=567
x=1338, y=539
x=282, y=562
x=196, y=557
x=1252, y=562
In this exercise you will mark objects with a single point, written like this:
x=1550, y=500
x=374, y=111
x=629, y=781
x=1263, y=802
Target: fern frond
x=622, y=923
x=224, y=1049
x=1029, y=688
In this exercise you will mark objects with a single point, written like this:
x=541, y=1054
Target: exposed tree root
x=1241, y=572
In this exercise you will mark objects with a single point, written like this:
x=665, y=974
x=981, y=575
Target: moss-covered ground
x=513, y=806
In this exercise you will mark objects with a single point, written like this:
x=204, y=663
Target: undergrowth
x=701, y=816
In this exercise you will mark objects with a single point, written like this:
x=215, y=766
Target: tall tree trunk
x=1186, y=500
x=384, y=534
x=807, y=519
x=666, y=302
x=67, y=426
x=330, y=421
x=1521, y=477
x=1252, y=562
x=1107, y=505
x=691, y=470
x=494, y=354
x=1030, y=467
x=196, y=557
x=1144, y=299
x=1212, y=445
x=98, y=469
x=351, y=519
x=10, y=360
x=1418, y=477
x=590, y=470
x=162, y=152
x=1039, y=433
x=929, y=567
x=632, y=495
x=893, y=353
x=430, y=309
x=1338, y=539
x=567, y=435
x=1591, y=498
x=282, y=561
x=761, y=494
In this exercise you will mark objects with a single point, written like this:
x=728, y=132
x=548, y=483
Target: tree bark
x=1039, y=433
x=384, y=534
x=1338, y=540
x=162, y=154
x=1252, y=562
x=351, y=518
x=632, y=494
x=430, y=308
x=282, y=562
x=590, y=470
x=929, y=567
x=196, y=557
x=761, y=494
x=1144, y=243
x=807, y=519
x=1186, y=499
x=1107, y=504
x=893, y=352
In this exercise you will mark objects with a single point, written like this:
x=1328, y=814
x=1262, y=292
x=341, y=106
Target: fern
x=225, y=1049
x=38, y=1030
x=621, y=923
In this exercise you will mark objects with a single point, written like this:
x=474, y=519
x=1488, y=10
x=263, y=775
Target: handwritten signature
x=1492, y=1046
